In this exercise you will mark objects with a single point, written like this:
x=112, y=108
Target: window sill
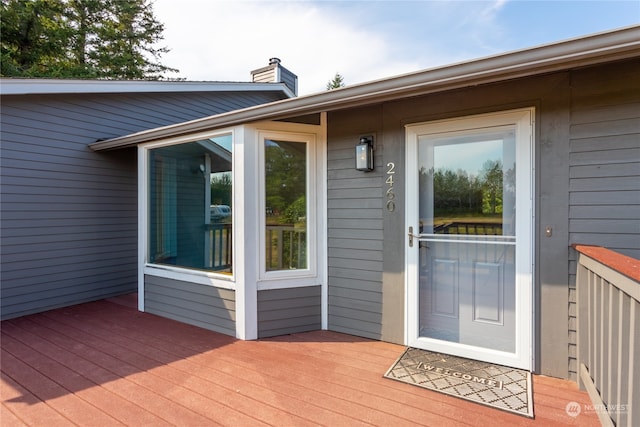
x=191, y=276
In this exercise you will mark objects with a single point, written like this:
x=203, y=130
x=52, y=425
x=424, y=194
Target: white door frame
x=523, y=119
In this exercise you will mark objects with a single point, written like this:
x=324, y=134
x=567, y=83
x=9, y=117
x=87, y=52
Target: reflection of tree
x=510, y=179
x=461, y=194
x=491, y=178
x=285, y=194
x=221, y=186
x=285, y=180
x=295, y=211
x=455, y=192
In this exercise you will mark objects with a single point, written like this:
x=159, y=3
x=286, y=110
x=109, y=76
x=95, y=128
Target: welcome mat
x=496, y=386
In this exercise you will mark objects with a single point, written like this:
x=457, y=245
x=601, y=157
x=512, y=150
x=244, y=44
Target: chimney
x=276, y=73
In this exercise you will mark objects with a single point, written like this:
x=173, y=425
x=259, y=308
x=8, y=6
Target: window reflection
x=469, y=185
x=286, y=205
x=191, y=203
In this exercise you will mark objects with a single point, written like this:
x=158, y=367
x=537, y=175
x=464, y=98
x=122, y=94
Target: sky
x=214, y=40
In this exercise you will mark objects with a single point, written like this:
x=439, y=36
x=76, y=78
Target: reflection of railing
x=286, y=247
x=608, y=295
x=473, y=228
x=219, y=243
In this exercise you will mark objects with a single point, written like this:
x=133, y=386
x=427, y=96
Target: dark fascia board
x=579, y=52
x=12, y=86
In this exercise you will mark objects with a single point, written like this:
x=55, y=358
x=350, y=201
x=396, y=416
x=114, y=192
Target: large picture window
x=191, y=204
x=286, y=210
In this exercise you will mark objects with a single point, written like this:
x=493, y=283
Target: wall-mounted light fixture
x=364, y=154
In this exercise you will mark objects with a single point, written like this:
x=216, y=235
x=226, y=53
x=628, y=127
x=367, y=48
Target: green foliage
x=285, y=180
x=336, y=83
x=109, y=39
x=456, y=192
x=285, y=194
x=460, y=194
x=221, y=189
x=492, y=177
x=33, y=34
x=297, y=211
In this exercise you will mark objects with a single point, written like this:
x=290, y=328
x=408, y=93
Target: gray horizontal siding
x=604, y=168
x=69, y=215
x=288, y=311
x=67, y=236
x=291, y=81
x=587, y=188
x=604, y=158
x=200, y=305
x=355, y=230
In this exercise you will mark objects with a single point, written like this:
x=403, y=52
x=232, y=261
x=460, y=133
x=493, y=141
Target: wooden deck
x=105, y=363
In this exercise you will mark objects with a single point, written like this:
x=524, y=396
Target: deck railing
x=219, y=251
x=608, y=293
x=286, y=247
x=481, y=228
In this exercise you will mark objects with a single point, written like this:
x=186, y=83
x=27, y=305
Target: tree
x=109, y=39
x=33, y=35
x=335, y=83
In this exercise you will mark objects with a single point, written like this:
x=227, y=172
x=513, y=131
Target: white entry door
x=469, y=243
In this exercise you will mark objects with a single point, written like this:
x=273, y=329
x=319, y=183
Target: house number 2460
x=391, y=171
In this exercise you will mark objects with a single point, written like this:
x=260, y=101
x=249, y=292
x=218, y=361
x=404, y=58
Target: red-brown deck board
x=104, y=363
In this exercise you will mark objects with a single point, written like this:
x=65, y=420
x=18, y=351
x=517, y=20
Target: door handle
x=412, y=236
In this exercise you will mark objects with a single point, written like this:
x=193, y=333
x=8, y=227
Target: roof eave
x=585, y=51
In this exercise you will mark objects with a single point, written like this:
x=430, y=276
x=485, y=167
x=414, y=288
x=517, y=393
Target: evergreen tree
x=335, y=83
x=109, y=39
x=32, y=38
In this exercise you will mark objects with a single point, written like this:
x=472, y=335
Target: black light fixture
x=364, y=154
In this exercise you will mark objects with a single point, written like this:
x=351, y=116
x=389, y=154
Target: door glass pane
x=467, y=184
x=467, y=238
x=286, y=205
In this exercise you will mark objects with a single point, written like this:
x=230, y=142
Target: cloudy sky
x=366, y=40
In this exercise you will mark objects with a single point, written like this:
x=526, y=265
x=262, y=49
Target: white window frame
x=145, y=267
x=248, y=212
x=281, y=277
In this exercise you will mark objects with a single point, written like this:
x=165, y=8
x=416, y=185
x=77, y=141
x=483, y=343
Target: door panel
x=469, y=276
x=464, y=297
x=488, y=293
x=444, y=293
